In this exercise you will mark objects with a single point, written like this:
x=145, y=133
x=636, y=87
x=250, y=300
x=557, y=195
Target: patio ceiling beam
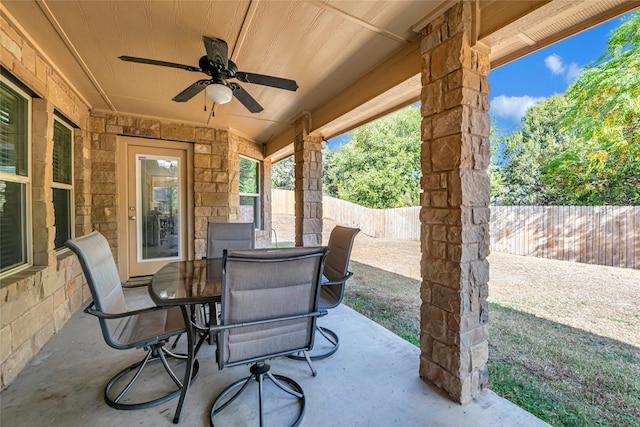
x=395, y=70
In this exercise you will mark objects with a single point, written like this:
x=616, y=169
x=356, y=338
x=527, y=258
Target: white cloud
x=513, y=107
x=557, y=67
x=554, y=63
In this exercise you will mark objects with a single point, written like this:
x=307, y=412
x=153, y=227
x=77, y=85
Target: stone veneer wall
x=35, y=303
x=455, y=207
x=215, y=161
x=308, y=184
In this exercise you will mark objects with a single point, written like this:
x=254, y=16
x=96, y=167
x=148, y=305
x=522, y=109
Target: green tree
x=604, y=114
x=522, y=157
x=283, y=174
x=380, y=167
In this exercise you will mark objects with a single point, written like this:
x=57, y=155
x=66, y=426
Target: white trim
x=70, y=187
x=26, y=180
x=257, y=195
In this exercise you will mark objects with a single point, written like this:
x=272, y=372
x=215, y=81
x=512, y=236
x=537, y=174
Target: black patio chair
x=147, y=328
x=269, y=309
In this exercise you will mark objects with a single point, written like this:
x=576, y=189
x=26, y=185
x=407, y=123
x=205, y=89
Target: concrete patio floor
x=371, y=381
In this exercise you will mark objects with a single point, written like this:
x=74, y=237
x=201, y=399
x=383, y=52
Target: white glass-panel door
x=156, y=208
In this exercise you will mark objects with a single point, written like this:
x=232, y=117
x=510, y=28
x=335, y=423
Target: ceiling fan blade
x=246, y=99
x=161, y=63
x=261, y=79
x=217, y=50
x=191, y=91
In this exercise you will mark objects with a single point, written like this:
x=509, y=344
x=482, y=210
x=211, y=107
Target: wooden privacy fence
x=603, y=235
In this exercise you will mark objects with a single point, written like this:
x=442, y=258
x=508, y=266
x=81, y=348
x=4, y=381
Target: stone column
x=41, y=181
x=212, y=184
x=455, y=207
x=308, y=184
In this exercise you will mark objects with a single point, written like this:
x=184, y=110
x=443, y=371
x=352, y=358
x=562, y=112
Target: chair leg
x=310, y=363
x=258, y=372
x=329, y=336
x=153, y=354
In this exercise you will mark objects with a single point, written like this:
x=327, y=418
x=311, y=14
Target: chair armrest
x=339, y=282
x=218, y=328
x=90, y=310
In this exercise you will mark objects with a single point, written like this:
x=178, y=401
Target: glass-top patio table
x=184, y=283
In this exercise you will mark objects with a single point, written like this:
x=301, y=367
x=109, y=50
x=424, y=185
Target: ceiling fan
x=217, y=65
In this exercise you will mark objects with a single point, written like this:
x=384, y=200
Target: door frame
x=123, y=144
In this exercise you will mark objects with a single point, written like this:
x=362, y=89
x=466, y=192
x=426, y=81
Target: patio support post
x=308, y=183
x=42, y=179
x=455, y=206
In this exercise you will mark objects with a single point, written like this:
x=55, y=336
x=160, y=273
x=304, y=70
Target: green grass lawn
x=565, y=376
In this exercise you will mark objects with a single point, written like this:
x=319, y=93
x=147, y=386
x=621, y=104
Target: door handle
x=133, y=218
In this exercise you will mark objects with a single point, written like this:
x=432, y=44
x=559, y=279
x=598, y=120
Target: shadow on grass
x=563, y=375
x=390, y=299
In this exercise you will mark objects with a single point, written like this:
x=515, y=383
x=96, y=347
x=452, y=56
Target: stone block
x=479, y=122
x=16, y=362
x=446, y=298
x=202, y=161
x=450, y=122
x=432, y=97
x=469, y=252
x=434, y=321
x=425, y=66
x=215, y=199
x=5, y=343
x=446, y=356
x=150, y=124
x=450, y=216
x=202, y=175
x=126, y=121
x=437, y=250
x=41, y=337
x=177, y=132
x=16, y=305
x=138, y=131
x=205, y=187
x=220, y=177
x=475, y=188
x=97, y=124
x=479, y=355
x=114, y=129
x=445, y=153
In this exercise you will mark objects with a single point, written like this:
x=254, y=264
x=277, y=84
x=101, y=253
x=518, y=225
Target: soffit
x=353, y=60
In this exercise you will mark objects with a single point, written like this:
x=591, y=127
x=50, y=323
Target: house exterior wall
x=36, y=302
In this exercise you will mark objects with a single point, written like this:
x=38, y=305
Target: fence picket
x=604, y=235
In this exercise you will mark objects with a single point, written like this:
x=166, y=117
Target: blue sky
x=522, y=83
x=533, y=78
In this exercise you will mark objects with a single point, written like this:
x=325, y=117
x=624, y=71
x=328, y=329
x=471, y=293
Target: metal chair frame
x=260, y=369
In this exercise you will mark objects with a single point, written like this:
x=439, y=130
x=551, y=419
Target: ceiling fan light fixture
x=218, y=93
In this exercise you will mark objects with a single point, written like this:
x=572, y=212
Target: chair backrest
x=100, y=269
x=336, y=265
x=229, y=235
x=266, y=284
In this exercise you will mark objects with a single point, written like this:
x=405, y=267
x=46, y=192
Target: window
x=62, y=182
x=15, y=189
x=250, y=191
